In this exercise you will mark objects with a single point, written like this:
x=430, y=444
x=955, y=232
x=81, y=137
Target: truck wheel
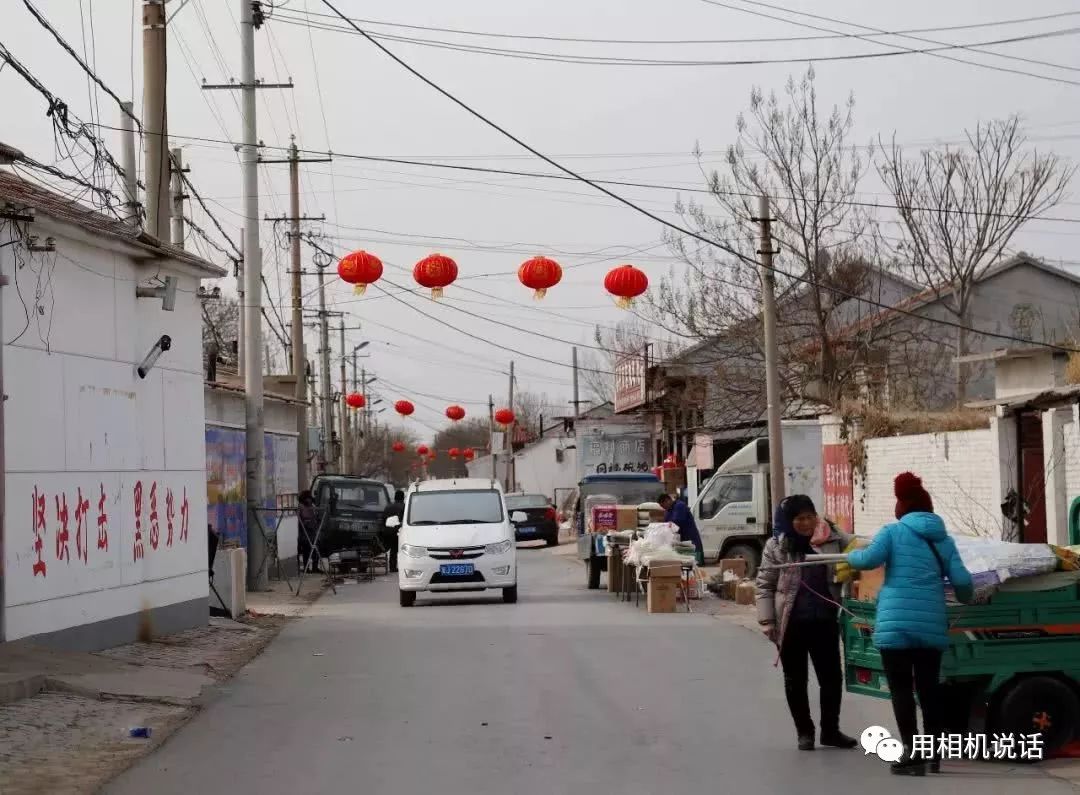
x=752, y=556
x=1038, y=704
x=592, y=566
x=408, y=598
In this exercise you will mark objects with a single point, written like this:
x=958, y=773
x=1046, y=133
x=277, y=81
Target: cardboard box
x=737, y=565
x=744, y=593
x=662, y=594
x=626, y=517
x=661, y=570
x=729, y=589
x=869, y=583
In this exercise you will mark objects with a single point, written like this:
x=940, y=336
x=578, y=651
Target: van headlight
x=498, y=549
x=414, y=551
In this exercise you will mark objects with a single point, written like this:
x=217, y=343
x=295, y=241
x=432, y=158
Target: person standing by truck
x=911, y=629
x=678, y=513
x=798, y=610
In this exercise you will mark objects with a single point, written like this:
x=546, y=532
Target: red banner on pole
x=839, y=488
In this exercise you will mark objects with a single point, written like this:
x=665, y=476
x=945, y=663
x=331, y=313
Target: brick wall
x=959, y=469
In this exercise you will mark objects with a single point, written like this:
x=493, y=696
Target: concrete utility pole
x=127, y=161
x=772, y=358
x=344, y=421
x=177, y=196
x=577, y=400
x=241, y=313
x=491, y=438
x=253, y=348
x=324, y=351
x=297, y=361
x=155, y=119
x=509, y=440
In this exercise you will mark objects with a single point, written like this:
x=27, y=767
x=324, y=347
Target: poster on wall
x=226, y=487
x=839, y=488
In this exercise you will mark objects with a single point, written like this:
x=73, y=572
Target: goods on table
x=744, y=593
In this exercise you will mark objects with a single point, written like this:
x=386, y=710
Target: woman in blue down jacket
x=911, y=629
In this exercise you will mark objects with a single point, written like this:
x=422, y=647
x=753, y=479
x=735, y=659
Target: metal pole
x=253, y=347
x=772, y=358
x=343, y=422
x=155, y=119
x=240, y=344
x=299, y=361
x=509, y=440
x=127, y=156
x=577, y=402
x=177, y=197
x=324, y=352
x=3, y=466
x=491, y=438
x=649, y=416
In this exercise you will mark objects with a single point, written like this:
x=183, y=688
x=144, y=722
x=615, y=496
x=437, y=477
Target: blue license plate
x=456, y=569
x=526, y=530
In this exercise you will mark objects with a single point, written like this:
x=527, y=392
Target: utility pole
x=240, y=346
x=577, y=402
x=127, y=157
x=772, y=358
x=491, y=438
x=509, y=441
x=298, y=361
x=646, y=388
x=344, y=422
x=253, y=348
x=324, y=350
x=361, y=387
x=155, y=118
x=177, y=196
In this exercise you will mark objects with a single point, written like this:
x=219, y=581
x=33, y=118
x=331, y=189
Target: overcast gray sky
x=636, y=123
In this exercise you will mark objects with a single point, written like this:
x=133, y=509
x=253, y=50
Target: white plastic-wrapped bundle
x=993, y=562
x=662, y=534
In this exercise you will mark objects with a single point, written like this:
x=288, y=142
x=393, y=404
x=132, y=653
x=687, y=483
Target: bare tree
x=474, y=432
x=801, y=156
x=960, y=208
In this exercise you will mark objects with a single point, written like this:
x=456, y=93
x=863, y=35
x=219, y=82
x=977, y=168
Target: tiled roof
x=22, y=193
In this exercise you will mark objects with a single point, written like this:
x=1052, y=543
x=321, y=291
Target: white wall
x=538, y=471
x=85, y=438
x=959, y=470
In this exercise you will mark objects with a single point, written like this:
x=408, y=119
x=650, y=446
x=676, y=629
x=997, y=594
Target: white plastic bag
x=992, y=562
x=661, y=534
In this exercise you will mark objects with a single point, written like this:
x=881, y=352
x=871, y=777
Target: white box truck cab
x=733, y=512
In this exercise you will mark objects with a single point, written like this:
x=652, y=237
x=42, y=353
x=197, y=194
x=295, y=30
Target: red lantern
x=435, y=272
x=404, y=408
x=504, y=418
x=540, y=274
x=626, y=283
x=422, y=450
x=398, y=447
x=360, y=269
x=355, y=400
x=468, y=454
x=455, y=413
x=454, y=453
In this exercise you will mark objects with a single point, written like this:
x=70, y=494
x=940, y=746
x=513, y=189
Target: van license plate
x=456, y=569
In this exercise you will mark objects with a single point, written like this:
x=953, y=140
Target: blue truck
x=625, y=488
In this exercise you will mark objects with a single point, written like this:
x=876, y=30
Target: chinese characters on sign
x=629, y=383
x=62, y=534
x=603, y=454
x=839, y=489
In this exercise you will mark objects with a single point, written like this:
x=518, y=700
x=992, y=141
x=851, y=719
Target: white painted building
x=104, y=470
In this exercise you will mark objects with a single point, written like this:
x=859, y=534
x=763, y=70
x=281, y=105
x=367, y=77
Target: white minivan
x=456, y=535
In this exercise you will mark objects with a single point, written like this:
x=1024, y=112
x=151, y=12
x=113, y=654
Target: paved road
x=567, y=691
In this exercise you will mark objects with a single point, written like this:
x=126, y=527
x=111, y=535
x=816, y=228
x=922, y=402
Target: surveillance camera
x=162, y=345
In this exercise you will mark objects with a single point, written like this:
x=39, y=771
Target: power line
x=900, y=49
x=754, y=40
x=532, y=55
x=675, y=227
x=595, y=183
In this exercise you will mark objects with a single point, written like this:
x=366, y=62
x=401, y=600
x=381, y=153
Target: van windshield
x=355, y=495
x=626, y=492
x=455, y=507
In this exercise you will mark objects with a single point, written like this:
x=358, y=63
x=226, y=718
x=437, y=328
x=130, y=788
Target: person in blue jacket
x=911, y=628
x=678, y=513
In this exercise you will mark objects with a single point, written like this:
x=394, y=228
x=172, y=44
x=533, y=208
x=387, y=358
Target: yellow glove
x=844, y=572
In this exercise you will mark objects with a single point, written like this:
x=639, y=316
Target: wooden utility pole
x=772, y=358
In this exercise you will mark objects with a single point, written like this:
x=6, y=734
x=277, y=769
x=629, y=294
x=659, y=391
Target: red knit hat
x=911, y=497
